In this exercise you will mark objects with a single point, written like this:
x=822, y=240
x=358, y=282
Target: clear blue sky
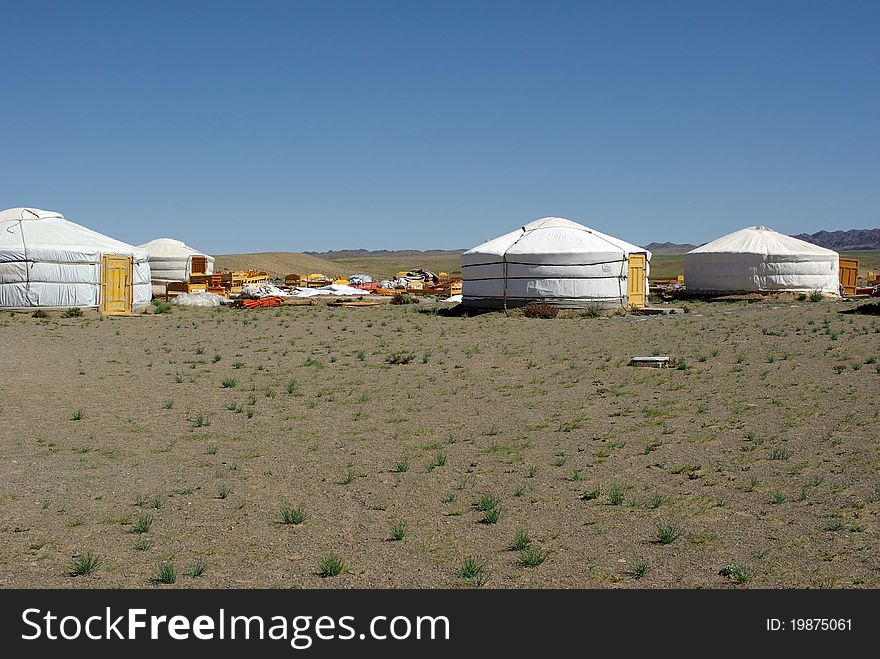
x=255, y=126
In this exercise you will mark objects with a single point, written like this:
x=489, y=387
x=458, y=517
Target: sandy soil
x=761, y=451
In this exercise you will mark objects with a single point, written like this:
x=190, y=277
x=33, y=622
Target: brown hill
x=853, y=240
x=277, y=264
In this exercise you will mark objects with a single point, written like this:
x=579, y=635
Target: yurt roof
x=49, y=229
x=554, y=235
x=170, y=248
x=760, y=240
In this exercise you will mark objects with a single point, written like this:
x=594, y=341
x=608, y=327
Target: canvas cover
x=551, y=260
x=48, y=261
x=759, y=259
x=171, y=260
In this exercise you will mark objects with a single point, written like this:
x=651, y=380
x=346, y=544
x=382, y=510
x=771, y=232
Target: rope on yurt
x=504, y=262
x=27, y=267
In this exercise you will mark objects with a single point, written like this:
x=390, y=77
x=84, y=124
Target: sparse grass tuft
x=291, y=515
x=166, y=574
x=197, y=569
x=667, y=534
x=399, y=358
x=540, y=311
x=331, y=566
x=398, y=530
x=142, y=524
x=472, y=571
x=640, y=568
x=84, y=564
x=520, y=541
x=486, y=502
x=616, y=496
x=780, y=453
x=532, y=556
x=734, y=572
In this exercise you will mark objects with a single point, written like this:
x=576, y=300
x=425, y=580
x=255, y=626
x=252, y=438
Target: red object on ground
x=369, y=286
x=270, y=301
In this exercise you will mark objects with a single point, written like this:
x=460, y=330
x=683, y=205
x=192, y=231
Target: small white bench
x=650, y=362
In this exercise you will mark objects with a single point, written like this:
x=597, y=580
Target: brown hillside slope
x=277, y=264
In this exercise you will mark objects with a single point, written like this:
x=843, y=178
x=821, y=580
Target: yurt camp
x=173, y=261
x=48, y=261
x=760, y=260
x=558, y=262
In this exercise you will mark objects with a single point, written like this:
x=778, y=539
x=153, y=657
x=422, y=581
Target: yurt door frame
x=635, y=280
x=849, y=275
x=116, y=284
x=198, y=265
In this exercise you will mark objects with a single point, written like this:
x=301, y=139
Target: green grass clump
x=472, y=571
x=520, y=541
x=399, y=358
x=160, y=306
x=491, y=516
x=143, y=524
x=486, y=502
x=166, y=574
x=198, y=569
x=640, y=568
x=734, y=572
x=84, y=564
x=667, y=534
x=532, y=556
x=616, y=496
x=291, y=515
x=398, y=530
x=331, y=565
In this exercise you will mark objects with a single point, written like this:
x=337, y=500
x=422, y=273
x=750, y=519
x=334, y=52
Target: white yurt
x=558, y=262
x=172, y=260
x=758, y=259
x=47, y=261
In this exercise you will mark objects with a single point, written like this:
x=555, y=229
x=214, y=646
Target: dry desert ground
x=239, y=448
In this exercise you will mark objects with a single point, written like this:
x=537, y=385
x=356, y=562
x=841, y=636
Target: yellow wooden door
x=198, y=265
x=636, y=294
x=849, y=275
x=116, y=288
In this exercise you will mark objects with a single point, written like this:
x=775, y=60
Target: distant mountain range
x=345, y=254
x=852, y=240
x=669, y=247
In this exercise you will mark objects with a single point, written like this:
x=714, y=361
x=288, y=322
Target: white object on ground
x=331, y=289
x=360, y=278
x=453, y=298
x=198, y=300
x=262, y=290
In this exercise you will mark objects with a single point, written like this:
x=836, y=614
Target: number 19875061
x=810, y=624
